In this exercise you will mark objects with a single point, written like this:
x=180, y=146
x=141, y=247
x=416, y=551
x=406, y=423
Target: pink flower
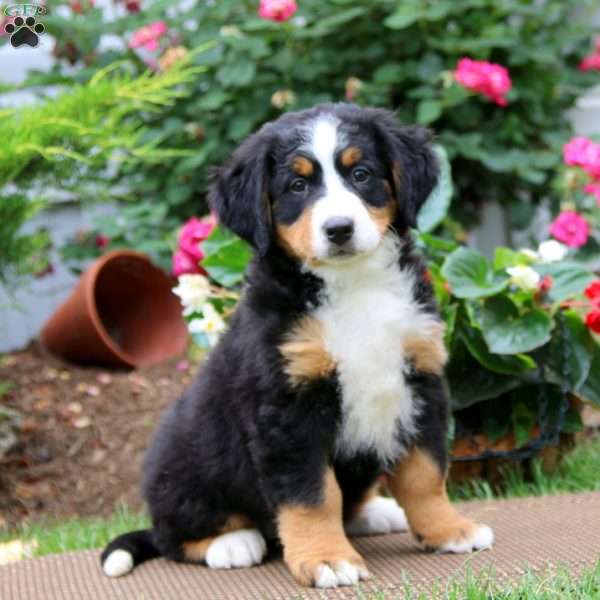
x=193, y=233
x=592, y=62
x=490, y=79
x=582, y=152
x=147, y=37
x=183, y=263
x=571, y=229
x=594, y=190
x=277, y=10
x=189, y=253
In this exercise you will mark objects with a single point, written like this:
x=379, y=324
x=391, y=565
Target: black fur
x=242, y=439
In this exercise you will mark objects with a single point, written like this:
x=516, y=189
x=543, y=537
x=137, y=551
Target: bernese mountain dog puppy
x=330, y=376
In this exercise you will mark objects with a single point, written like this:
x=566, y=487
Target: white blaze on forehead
x=337, y=201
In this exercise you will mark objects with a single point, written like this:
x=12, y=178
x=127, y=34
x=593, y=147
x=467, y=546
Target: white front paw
x=378, y=516
x=241, y=548
x=481, y=538
x=339, y=573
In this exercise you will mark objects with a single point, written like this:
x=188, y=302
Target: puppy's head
x=326, y=184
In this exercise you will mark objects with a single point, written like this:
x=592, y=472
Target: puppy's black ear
x=412, y=162
x=239, y=193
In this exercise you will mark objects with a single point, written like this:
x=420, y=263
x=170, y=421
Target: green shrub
x=391, y=53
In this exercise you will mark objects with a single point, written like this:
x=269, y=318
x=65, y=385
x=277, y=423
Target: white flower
x=530, y=254
x=524, y=277
x=193, y=291
x=211, y=324
x=552, y=251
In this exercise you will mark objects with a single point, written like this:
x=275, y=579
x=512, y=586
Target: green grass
x=579, y=471
x=558, y=585
x=76, y=534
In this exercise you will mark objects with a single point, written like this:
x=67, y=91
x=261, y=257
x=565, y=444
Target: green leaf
x=237, y=73
x=571, y=351
x=428, y=111
x=500, y=363
x=436, y=207
x=506, y=332
x=470, y=384
x=404, y=17
x=569, y=279
x=505, y=257
x=470, y=275
x=225, y=257
x=524, y=421
x=590, y=390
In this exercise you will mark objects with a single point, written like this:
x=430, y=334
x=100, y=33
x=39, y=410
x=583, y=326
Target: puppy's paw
x=464, y=536
x=480, y=537
x=378, y=516
x=330, y=572
x=241, y=548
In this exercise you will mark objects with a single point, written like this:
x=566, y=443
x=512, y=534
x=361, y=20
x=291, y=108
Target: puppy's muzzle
x=339, y=230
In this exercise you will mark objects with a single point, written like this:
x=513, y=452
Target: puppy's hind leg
x=237, y=544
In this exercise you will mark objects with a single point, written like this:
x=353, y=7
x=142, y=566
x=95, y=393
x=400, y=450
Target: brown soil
x=83, y=434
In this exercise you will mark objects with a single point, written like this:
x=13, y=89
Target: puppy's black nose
x=339, y=229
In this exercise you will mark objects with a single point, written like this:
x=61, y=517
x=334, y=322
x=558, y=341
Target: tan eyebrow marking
x=350, y=156
x=302, y=166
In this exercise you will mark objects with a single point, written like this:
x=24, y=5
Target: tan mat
x=535, y=533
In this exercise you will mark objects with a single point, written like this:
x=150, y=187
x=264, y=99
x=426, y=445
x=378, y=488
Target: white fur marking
x=339, y=573
x=117, y=563
x=368, y=311
x=241, y=548
x=378, y=516
x=338, y=200
x=481, y=539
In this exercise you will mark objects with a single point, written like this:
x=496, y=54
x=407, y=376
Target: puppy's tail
x=127, y=551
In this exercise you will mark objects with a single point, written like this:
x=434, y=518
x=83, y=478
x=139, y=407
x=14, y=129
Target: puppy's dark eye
x=360, y=174
x=298, y=186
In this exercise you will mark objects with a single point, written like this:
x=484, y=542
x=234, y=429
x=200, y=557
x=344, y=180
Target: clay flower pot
x=121, y=313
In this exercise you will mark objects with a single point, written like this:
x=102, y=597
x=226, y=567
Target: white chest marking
x=368, y=312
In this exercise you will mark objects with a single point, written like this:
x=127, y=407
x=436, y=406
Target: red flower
x=545, y=285
x=133, y=6
x=490, y=79
x=101, y=241
x=592, y=320
x=592, y=291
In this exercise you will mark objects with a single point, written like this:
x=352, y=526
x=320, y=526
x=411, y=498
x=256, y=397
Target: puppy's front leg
x=315, y=546
x=419, y=486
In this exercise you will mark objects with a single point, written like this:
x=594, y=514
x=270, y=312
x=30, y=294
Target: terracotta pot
x=122, y=313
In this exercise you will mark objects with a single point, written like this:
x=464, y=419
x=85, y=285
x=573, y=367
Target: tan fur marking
x=314, y=535
x=297, y=237
x=302, y=166
x=420, y=488
x=305, y=353
x=350, y=156
x=428, y=350
x=382, y=217
x=196, y=551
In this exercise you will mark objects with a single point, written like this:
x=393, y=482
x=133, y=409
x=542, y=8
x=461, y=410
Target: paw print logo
x=24, y=31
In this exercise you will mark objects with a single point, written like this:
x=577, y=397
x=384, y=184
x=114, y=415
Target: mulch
x=82, y=434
